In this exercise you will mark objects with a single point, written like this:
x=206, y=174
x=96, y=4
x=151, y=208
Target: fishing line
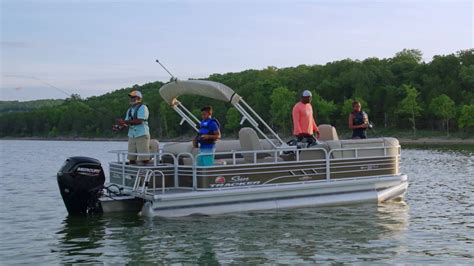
x=42, y=81
x=60, y=90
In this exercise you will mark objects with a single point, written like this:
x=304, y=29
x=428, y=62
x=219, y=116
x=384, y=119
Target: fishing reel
x=117, y=128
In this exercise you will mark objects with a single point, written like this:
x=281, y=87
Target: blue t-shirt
x=135, y=131
x=208, y=127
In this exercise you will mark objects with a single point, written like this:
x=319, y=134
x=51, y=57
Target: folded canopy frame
x=218, y=91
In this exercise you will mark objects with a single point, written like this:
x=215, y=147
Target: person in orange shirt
x=304, y=126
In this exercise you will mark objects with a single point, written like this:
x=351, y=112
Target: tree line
x=402, y=92
x=16, y=106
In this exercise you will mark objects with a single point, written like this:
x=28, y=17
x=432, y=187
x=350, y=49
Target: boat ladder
x=142, y=184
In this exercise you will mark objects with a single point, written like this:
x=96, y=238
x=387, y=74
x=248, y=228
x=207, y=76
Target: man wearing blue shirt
x=136, y=120
x=209, y=133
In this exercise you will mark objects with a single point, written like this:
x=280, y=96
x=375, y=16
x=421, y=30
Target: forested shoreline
x=399, y=93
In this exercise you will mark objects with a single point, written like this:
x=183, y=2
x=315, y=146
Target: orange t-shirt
x=303, y=120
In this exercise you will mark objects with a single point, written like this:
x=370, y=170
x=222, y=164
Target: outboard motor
x=80, y=182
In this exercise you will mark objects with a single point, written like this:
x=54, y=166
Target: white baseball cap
x=307, y=93
x=136, y=94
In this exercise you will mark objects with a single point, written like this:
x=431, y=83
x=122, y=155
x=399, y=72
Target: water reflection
x=367, y=232
x=82, y=238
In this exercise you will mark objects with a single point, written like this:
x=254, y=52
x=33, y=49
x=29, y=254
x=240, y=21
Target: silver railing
x=142, y=182
x=127, y=170
x=334, y=161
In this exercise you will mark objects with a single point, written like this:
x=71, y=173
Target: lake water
x=435, y=223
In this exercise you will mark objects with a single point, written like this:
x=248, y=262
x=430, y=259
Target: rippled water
x=435, y=224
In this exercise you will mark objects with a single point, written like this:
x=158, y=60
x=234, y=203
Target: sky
x=50, y=49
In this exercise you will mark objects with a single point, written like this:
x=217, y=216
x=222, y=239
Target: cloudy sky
x=93, y=47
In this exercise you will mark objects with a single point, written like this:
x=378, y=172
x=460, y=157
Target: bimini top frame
x=218, y=91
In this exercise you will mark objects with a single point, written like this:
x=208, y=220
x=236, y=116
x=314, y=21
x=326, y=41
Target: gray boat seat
x=249, y=141
x=154, y=146
x=327, y=132
x=369, y=147
x=221, y=146
x=178, y=147
x=314, y=154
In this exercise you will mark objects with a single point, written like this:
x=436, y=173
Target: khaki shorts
x=139, y=145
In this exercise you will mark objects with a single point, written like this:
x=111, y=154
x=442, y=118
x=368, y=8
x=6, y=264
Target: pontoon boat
x=257, y=171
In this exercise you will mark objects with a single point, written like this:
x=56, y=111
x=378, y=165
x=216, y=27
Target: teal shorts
x=206, y=157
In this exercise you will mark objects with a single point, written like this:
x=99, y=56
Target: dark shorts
x=359, y=134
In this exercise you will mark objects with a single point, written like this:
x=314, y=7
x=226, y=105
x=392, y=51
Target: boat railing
x=155, y=157
x=142, y=181
x=333, y=160
x=273, y=154
x=338, y=164
x=127, y=170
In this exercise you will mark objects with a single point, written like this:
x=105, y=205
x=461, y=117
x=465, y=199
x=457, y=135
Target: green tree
x=466, y=119
x=232, y=120
x=168, y=120
x=282, y=103
x=324, y=109
x=74, y=97
x=467, y=75
x=410, y=54
x=443, y=107
x=409, y=105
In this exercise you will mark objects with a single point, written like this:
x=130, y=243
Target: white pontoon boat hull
x=340, y=192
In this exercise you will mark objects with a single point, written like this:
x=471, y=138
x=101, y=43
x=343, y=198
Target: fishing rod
x=173, y=78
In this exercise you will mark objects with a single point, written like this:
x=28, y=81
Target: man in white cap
x=304, y=125
x=136, y=120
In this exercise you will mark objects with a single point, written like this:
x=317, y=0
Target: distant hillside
x=16, y=106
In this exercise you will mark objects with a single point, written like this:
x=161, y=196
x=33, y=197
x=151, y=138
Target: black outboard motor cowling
x=80, y=181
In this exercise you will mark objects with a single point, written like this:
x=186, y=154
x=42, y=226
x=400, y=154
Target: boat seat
x=154, y=146
x=327, y=132
x=306, y=155
x=178, y=147
x=221, y=146
x=374, y=143
x=227, y=145
x=249, y=141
